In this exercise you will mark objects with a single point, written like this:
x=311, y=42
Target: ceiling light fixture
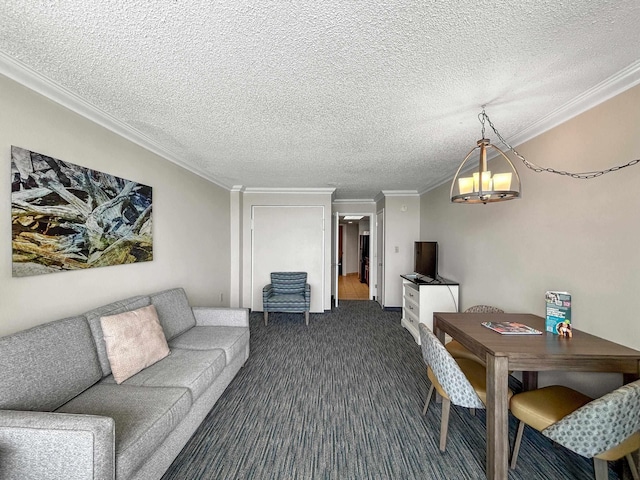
x=482, y=187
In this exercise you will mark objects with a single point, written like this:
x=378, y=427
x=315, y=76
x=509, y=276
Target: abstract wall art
x=67, y=217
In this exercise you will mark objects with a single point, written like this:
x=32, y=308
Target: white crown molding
x=339, y=201
x=238, y=188
x=616, y=84
x=286, y=191
x=400, y=193
x=21, y=73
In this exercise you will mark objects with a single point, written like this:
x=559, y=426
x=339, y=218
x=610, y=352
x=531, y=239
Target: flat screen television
x=426, y=259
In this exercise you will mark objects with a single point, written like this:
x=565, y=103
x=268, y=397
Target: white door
x=287, y=239
x=380, y=257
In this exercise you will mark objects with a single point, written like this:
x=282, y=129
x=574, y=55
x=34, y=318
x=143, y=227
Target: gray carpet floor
x=342, y=399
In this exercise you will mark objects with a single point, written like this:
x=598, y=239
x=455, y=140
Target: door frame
x=372, y=243
x=380, y=257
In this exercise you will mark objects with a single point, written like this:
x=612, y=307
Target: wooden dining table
x=529, y=354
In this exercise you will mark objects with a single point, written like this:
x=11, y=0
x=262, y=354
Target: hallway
x=350, y=288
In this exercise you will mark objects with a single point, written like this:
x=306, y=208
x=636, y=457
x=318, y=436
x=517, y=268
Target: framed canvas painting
x=67, y=217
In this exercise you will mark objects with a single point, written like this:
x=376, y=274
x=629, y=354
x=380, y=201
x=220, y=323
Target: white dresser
x=420, y=298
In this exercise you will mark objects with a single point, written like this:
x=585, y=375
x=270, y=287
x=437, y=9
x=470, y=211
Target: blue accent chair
x=288, y=292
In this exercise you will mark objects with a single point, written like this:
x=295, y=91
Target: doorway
x=353, y=256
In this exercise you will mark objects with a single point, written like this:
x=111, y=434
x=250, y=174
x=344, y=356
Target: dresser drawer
x=411, y=314
x=412, y=306
x=412, y=294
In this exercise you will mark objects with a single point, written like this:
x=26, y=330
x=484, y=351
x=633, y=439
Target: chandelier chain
x=537, y=168
x=482, y=117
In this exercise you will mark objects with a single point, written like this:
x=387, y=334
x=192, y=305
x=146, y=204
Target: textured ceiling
x=361, y=95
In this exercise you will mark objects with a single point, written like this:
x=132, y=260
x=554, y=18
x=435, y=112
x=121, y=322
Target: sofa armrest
x=218, y=317
x=47, y=445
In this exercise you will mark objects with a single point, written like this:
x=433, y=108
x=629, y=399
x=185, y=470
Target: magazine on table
x=511, y=328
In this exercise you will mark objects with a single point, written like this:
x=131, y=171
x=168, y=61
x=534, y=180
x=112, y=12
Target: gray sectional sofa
x=63, y=417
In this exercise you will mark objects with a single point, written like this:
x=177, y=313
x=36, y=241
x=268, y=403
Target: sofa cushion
x=144, y=417
x=192, y=369
x=174, y=312
x=46, y=366
x=93, y=316
x=134, y=340
x=233, y=340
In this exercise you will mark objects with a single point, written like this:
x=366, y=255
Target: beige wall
x=579, y=236
x=190, y=218
x=401, y=230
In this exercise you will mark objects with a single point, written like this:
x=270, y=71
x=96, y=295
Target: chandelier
x=486, y=186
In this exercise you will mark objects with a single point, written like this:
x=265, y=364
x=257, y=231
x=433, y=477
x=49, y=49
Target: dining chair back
x=458, y=381
x=483, y=309
x=605, y=429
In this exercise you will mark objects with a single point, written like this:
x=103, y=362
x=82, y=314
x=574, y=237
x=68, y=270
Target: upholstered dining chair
x=287, y=292
x=604, y=429
x=459, y=381
x=456, y=349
